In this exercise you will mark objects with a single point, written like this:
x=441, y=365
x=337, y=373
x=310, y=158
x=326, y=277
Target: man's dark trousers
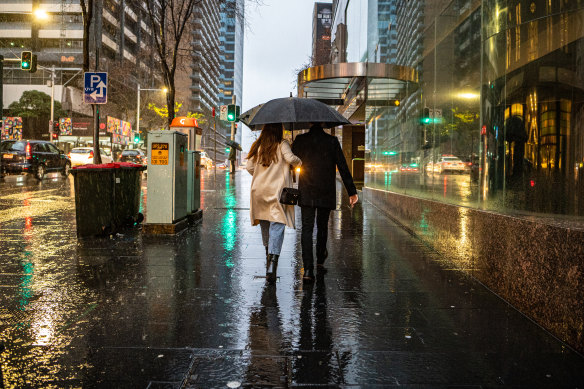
x=322, y=218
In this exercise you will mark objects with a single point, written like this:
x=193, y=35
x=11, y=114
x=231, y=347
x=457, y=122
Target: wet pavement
x=193, y=311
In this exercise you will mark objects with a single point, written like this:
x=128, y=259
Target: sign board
x=223, y=113
x=436, y=113
x=159, y=154
x=95, y=88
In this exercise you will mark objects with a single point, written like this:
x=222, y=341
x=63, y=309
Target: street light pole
x=51, y=124
x=138, y=110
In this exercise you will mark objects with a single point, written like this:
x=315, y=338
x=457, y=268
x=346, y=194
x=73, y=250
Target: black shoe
x=308, y=275
x=321, y=258
x=272, y=268
x=267, y=258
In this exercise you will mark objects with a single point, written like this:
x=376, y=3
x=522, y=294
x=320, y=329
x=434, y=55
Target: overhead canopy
x=348, y=85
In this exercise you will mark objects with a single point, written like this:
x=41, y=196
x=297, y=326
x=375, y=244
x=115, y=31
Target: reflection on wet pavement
x=193, y=311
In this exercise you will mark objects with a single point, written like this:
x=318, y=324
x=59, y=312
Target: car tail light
x=91, y=154
x=69, y=155
x=27, y=149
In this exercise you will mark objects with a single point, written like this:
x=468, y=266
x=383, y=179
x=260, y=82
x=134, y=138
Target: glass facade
x=496, y=120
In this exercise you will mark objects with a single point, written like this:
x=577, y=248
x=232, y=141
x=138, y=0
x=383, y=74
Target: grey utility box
x=167, y=177
x=194, y=182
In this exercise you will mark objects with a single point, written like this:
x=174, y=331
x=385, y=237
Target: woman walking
x=268, y=161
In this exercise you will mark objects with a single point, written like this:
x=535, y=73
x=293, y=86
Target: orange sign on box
x=159, y=154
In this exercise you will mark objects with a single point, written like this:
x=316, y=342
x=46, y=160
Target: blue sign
x=95, y=88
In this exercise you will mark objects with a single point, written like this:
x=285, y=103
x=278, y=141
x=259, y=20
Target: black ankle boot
x=272, y=268
x=267, y=258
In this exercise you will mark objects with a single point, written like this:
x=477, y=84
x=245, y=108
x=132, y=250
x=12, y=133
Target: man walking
x=232, y=157
x=321, y=154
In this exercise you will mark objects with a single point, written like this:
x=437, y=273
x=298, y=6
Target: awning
x=348, y=85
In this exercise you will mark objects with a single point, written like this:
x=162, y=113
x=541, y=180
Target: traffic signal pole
x=1, y=110
x=233, y=122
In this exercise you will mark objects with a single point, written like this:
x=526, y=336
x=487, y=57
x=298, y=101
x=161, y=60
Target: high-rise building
x=206, y=66
x=231, y=56
x=120, y=34
x=321, y=33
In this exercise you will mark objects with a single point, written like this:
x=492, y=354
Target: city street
x=193, y=311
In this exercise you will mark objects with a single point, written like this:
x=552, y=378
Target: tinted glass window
x=51, y=148
x=80, y=151
x=39, y=147
x=13, y=146
x=130, y=152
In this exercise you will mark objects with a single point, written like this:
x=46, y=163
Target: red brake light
x=27, y=149
x=91, y=154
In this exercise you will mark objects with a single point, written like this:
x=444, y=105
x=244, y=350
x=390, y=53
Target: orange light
x=297, y=170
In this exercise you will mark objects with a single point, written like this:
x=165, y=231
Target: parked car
x=35, y=157
x=206, y=162
x=84, y=156
x=134, y=156
x=447, y=164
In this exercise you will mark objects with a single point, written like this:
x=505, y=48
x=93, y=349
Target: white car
x=447, y=163
x=206, y=162
x=84, y=155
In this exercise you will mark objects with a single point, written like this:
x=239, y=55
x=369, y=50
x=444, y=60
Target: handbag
x=290, y=196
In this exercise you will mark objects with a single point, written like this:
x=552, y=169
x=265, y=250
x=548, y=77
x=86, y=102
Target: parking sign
x=95, y=88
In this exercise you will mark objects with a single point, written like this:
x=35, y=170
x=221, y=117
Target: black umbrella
x=296, y=113
x=246, y=117
x=234, y=144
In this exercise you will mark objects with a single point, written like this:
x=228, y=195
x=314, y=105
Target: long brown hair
x=265, y=148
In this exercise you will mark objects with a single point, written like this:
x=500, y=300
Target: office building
x=474, y=138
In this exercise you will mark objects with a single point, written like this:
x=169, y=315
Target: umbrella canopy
x=246, y=117
x=233, y=144
x=296, y=113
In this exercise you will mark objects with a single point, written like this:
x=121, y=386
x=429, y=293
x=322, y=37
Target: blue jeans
x=272, y=236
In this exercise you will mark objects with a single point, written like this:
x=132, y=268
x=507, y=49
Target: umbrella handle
x=293, y=172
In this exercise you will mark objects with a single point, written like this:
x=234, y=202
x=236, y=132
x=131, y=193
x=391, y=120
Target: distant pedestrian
x=269, y=161
x=232, y=157
x=321, y=154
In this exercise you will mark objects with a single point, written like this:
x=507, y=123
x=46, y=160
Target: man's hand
x=353, y=200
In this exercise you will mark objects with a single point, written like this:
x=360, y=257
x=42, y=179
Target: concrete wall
x=537, y=267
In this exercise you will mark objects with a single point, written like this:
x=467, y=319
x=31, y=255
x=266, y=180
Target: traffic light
x=56, y=127
x=137, y=137
x=426, y=116
x=232, y=113
x=26, y=60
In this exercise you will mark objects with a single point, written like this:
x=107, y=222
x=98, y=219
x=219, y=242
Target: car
x=206, y=162
x=409, y=168
x=34, y=157
x=84, y=156
x=134, y=156
x=447, y=164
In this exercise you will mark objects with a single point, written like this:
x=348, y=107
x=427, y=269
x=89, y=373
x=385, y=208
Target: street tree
x=170, y=21
x=35, y=104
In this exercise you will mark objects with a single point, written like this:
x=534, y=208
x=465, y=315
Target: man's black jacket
x=321, y=154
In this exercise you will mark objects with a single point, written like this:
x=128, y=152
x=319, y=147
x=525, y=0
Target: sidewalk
x=193, y=311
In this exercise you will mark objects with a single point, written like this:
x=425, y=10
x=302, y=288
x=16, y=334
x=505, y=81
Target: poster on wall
x=120, y=130
x=65, y=126
x=11, y=128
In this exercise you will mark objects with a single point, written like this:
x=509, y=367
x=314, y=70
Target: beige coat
x=267, y=184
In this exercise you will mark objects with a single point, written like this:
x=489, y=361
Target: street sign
x=436, y=113
x=95, y=88
x=223, y=112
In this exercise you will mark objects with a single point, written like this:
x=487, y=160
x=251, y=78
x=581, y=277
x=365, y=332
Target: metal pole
x=51, y=126
x=1, y=115
x=138, y=110
x=215, y=146
x=233, y=123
